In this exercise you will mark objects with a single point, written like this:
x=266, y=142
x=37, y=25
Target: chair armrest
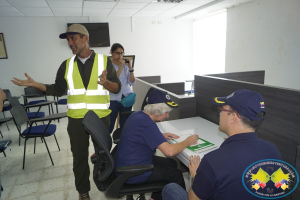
x=30, y=95
x=49, y=117
x=39, y=104
x=129, y=171
x=3, y=120
x=134, y=169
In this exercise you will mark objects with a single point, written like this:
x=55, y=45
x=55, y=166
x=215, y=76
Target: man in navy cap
x=219, y=175
x=141, y=137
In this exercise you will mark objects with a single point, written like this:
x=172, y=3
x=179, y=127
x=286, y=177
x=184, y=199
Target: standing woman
x=126, y=76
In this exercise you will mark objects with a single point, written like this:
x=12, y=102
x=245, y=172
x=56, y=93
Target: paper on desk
x=183, y=137
x=202, y=145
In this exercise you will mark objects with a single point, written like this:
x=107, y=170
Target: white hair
x=157, y=109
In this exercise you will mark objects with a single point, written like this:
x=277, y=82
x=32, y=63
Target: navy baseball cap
x=158, y=96
x=245, y=102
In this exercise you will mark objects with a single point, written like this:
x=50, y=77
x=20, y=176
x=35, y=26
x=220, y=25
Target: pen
x=99, y=75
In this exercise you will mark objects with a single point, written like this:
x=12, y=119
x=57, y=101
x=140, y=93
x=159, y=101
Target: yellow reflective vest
x=95, y=97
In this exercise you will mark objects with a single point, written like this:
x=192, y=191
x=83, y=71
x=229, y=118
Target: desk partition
x=150, y=79
x=186, y=103
x=250, y=76
x=282, y=122
x=176, y=88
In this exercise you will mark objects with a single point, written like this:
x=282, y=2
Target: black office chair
x=39, y=131
x=4, y=145
x=104, y=176
x=2, y=121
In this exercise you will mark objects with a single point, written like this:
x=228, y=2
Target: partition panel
x=186, y=104
x=282, y=122
x=250, y=76
x=150, y=79
x=176, y=88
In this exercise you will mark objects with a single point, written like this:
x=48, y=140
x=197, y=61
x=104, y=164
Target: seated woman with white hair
x=141, y=137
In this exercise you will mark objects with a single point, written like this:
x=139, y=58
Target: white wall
x=265, y=35
x=33, y=46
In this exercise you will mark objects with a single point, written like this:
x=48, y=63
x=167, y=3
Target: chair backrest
x=33, y=90
x=19, y=116
x=104, y=166
x=145, y=102
x=7, y=93
x=13, y=101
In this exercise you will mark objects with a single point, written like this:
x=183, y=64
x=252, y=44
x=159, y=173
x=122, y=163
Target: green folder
x=203, y=146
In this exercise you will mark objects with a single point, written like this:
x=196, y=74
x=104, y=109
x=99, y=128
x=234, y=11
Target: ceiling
x=187, y=9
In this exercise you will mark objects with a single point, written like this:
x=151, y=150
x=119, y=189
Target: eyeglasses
x=220, y=109
x=119, y=53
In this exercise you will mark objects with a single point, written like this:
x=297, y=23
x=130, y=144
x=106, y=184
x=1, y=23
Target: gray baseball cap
x=74, y=29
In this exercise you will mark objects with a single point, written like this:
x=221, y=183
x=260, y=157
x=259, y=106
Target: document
x=201, y=145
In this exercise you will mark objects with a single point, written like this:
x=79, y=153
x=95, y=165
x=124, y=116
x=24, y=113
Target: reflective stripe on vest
x=81, y=100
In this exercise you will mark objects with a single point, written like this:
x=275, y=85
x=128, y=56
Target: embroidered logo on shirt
x=270, y=179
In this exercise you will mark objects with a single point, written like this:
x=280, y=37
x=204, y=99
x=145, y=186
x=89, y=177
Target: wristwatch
x=131, y=70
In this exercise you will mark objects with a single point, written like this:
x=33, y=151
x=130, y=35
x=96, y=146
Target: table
x=195, y=125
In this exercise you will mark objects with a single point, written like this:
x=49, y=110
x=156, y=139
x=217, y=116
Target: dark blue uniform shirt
x=219, y=175
x=138, y=142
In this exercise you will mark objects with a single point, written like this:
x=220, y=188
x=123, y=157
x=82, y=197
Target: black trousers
x=165, y=169
x=79, y=141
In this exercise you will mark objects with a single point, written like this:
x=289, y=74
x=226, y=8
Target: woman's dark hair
x=115, y=46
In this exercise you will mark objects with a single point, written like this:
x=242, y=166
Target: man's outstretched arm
x=29, y=82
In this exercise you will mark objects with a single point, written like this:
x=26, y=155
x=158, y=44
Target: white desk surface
x=194, y=125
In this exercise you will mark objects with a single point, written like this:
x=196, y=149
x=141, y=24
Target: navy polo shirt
x=138, y=142
x=219, y=175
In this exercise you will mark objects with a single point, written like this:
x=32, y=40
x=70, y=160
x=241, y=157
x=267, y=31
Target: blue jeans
x=115, y=109
x=173, y=191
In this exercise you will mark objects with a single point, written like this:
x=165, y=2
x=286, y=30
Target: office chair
x=104, y=176
x=32, y=92
x=6, y=107
x=31, y=115
x=58, y=101
x=3, y=146
x=39, y=131
x=4, y=120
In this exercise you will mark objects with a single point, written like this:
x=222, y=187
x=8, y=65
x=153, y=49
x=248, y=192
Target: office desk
x=195, y=125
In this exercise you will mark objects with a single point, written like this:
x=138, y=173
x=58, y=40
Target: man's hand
x=28, y=82
x=103, y=78
x=193, y=165
x=192, y=139
x=2, y=95
x=170, y=136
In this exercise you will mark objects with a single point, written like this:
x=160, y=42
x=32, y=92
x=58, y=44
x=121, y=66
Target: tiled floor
x=40, y=180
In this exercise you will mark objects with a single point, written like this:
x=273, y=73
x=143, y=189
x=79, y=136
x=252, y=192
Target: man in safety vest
x=88, y=78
